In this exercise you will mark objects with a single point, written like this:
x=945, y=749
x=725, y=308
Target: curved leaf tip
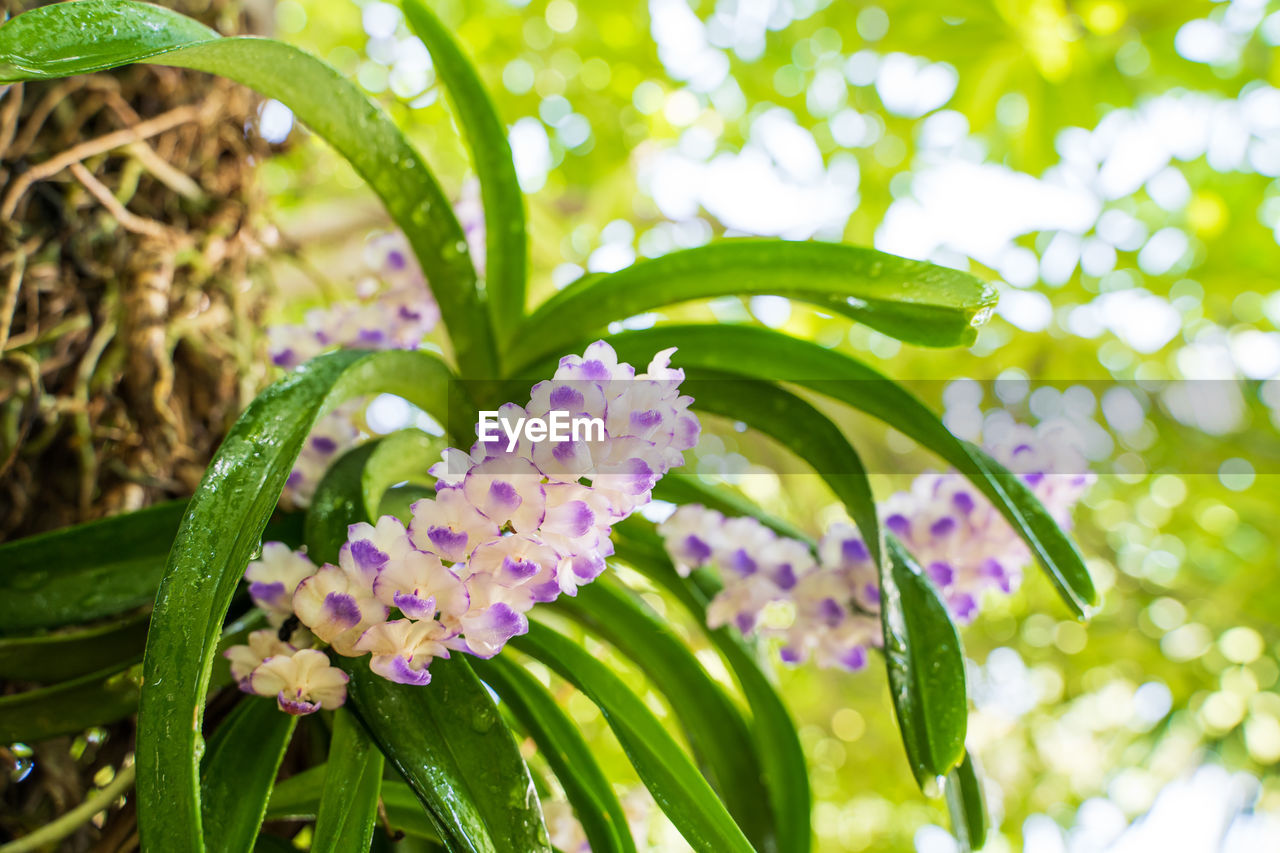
x=51, y=41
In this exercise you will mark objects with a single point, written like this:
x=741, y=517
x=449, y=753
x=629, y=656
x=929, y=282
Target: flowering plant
x=414, y=569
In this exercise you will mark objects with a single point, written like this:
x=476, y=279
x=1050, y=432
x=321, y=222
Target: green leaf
x=1053, y=549
x=665, y=769
x=400, y=500
x=926, y=667
x=449, y=743
x=911, y=300
x=238, y=770
x=785, y=771
x=337, y=502
x=99, y=568
x=570, y=757
x=688, y=489
x=506, y=247
x=95, y=699
x=221, y=530
x=50, y=658
x=967, y=805
x=85, y=572
x=712, y=723
x=73, y=706
x=402, y=456
x=349, y=802
x=446, y=738
x=760, y=353
x=803, y=430
x=298, y=799
x=92, y=35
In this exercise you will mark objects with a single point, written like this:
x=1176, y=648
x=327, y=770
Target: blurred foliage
x=1164, y=269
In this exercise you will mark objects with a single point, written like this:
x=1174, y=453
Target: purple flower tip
x=854, y=551
x=342, y=609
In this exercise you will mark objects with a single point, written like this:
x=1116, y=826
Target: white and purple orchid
x=512, y=525
x=965, y=546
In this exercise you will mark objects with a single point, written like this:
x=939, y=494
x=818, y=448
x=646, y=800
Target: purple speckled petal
x=963, y=501
x=588, y=566
x=399, y=671
x=295, y=704
x=992, y=568
x=566, y=398
x=898, y=524
x=487, y=634
x=645, y=420
x=368, y=557
x=964, y=606
x=504, y=495
x=785, y=576
x=267, y=595
x=592, y=369
x=740, y=561
x=324, y=444
x=855, y=658
x=518, y=570
x=790, y=655
x=415, y=606
x=341, y=609
x=446, y=540
x=854, y=551
x=696, y=550
x=941, y=573
x=943, y=526
x=831, y=612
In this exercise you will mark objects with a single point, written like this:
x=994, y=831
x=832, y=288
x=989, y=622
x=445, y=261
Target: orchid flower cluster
x=963, y=542
x=515, y=522
x=393, y=309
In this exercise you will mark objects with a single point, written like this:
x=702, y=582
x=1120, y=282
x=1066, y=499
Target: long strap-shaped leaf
x=72, y=706
x=967, y=805
x=785, y=771
x=238, y=770
x=349, y=802
x=751, y=351
x=802, y=429
x=570, y=757
x=712, y=723
x=688, y=489
x=665, y=769
x=87, y=571
x=912, y=300
x=93, y=35
x=98, y=698
x=406, y=454
x=94, y=569
x=450, y=744
x=447, y=738
x=223, y=525
x=926, y=667
x=50, y=658
x=298, y=798
x=506, y=247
